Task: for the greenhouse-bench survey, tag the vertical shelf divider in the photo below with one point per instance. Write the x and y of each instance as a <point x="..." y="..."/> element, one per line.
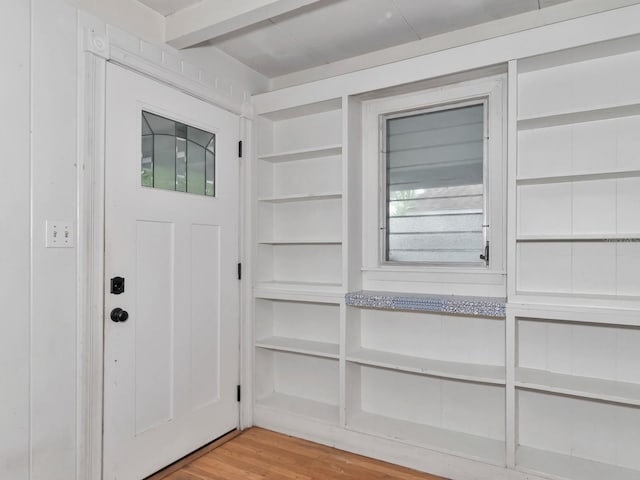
<point x="510" y="333"/>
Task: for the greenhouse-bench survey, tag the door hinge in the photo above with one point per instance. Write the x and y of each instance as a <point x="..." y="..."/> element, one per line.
<point x="240" y="149"/>
<point x="485" y="255"/>
<point x="238" y="392"/>
<point x="239" y="271"/>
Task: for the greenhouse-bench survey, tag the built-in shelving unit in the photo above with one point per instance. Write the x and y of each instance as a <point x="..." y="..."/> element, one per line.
<point x="425" y="407"/>
<point x="541" y="384"/>
<point x="298" y="279"/>
<point x="459" y="417"/>
<point x="299" y="174"/>
<point x="578" y="395"/>
<point x="578" y="179"/>
<point x="574" y="408"/>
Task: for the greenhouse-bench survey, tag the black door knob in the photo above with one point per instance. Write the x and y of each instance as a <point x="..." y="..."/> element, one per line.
<point x="119" y="315"/>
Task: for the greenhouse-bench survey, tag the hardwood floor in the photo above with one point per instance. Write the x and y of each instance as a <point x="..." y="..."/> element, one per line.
<point x="259" y="454"/>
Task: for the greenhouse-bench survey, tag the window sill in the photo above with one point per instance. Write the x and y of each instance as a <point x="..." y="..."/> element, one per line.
<point x="452" y="304"/>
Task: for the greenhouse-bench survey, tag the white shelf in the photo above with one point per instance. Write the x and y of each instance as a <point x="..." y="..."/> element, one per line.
<point x="574" y="314"/>
<point x="602" y="237"/>
<point x="309" y="287"/>
<point x="301" y="197"/>
<point x="302" y="242"/>
<point x="618" y="302"/>
<point x="303" y="407"/>
<point x="578" y="177"/>
<point x="565" y="466"/>
<point x="280" y="112"/>
<point x="585" y="387"/>
<point x="582" y="116"/>
<point x="306" y="154"/>
<point x="439" y="439"/>
<point x="329" y="298"/>
<point x="296" y="345"/>
<point x="470" y="372"/>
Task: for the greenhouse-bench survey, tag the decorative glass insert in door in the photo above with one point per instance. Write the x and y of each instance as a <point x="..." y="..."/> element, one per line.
<point x="176" y="156"/>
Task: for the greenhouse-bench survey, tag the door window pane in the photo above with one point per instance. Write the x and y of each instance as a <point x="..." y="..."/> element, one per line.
<point x="164" y="162"/>
<point x="176" y="156"/>
<point x="435" y="186"/>
<point x="195" y="168"/>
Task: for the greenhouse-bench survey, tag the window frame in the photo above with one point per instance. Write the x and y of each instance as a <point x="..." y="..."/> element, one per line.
<point x="383" y="158"/>
<point x="446" y="277"/>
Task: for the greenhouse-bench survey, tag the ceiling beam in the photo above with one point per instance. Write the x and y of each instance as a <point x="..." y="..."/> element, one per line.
<point x="213" y="18"/>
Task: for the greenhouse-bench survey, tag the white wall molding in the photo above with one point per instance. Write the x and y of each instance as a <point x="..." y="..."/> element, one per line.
<point x="164" y="64"/>
<point x="90" y="286"/>
<point x="96" y="44"/>
<point x="247" y="135"/>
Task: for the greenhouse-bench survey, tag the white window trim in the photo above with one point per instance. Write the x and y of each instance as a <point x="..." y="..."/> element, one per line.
<point x="432" y="278"/>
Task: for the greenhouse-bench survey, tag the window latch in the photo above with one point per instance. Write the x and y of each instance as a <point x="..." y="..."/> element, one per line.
<point x="485" y="256"/>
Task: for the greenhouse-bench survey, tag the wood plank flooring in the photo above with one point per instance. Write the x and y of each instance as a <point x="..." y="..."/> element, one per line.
<point x="259" y="454"/>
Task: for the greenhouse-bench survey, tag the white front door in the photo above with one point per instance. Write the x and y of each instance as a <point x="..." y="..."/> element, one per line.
<point x="172" y="215"/>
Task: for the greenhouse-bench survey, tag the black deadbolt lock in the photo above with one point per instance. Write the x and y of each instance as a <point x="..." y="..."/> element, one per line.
<point x="117" y="285"/>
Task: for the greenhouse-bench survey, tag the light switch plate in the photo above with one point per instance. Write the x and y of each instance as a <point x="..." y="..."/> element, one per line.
<point x="59" y="234"/>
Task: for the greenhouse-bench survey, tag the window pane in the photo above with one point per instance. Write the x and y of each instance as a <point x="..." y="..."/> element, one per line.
<point x="176" y="156"/>
<point x="435" y="186"/>
<point x="160" y="125"/>
<point x="210" y="173"/>
<point x="195" y="168"/>
<point x="198" y="136"/>
<point x="164" y="162"/>
<point x="147" y="160"/>
<point x="181" y="164"/>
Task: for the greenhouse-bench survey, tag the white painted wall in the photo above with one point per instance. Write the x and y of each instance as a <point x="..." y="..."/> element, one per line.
<point x="39" y="344"/>
<point x="14" y="251"/>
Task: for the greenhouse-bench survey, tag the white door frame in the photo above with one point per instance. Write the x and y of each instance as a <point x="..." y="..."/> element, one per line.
<point x="95" y="52"/>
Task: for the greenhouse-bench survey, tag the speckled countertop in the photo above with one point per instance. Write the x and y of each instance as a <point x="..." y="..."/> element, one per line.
<point x="454" y="304"/>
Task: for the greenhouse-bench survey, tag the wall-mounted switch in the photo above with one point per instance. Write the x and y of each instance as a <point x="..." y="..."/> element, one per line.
<point x="60" y="234"/>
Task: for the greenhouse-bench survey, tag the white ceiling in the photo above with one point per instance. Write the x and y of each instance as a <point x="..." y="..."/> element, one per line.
<point x="332" y="30"/>
<point x="168" y="7"/>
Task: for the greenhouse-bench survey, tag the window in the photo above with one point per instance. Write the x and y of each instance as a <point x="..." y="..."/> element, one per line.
<point x="176" y="156"/>
<point x="434" y="188"/>
<point x="434" y="167"/>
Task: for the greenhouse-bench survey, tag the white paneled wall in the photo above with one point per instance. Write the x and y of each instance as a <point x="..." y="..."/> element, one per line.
<point x="53" y="193"/>
<point x="41" y="422"/>
<point x="15" y="251"/>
